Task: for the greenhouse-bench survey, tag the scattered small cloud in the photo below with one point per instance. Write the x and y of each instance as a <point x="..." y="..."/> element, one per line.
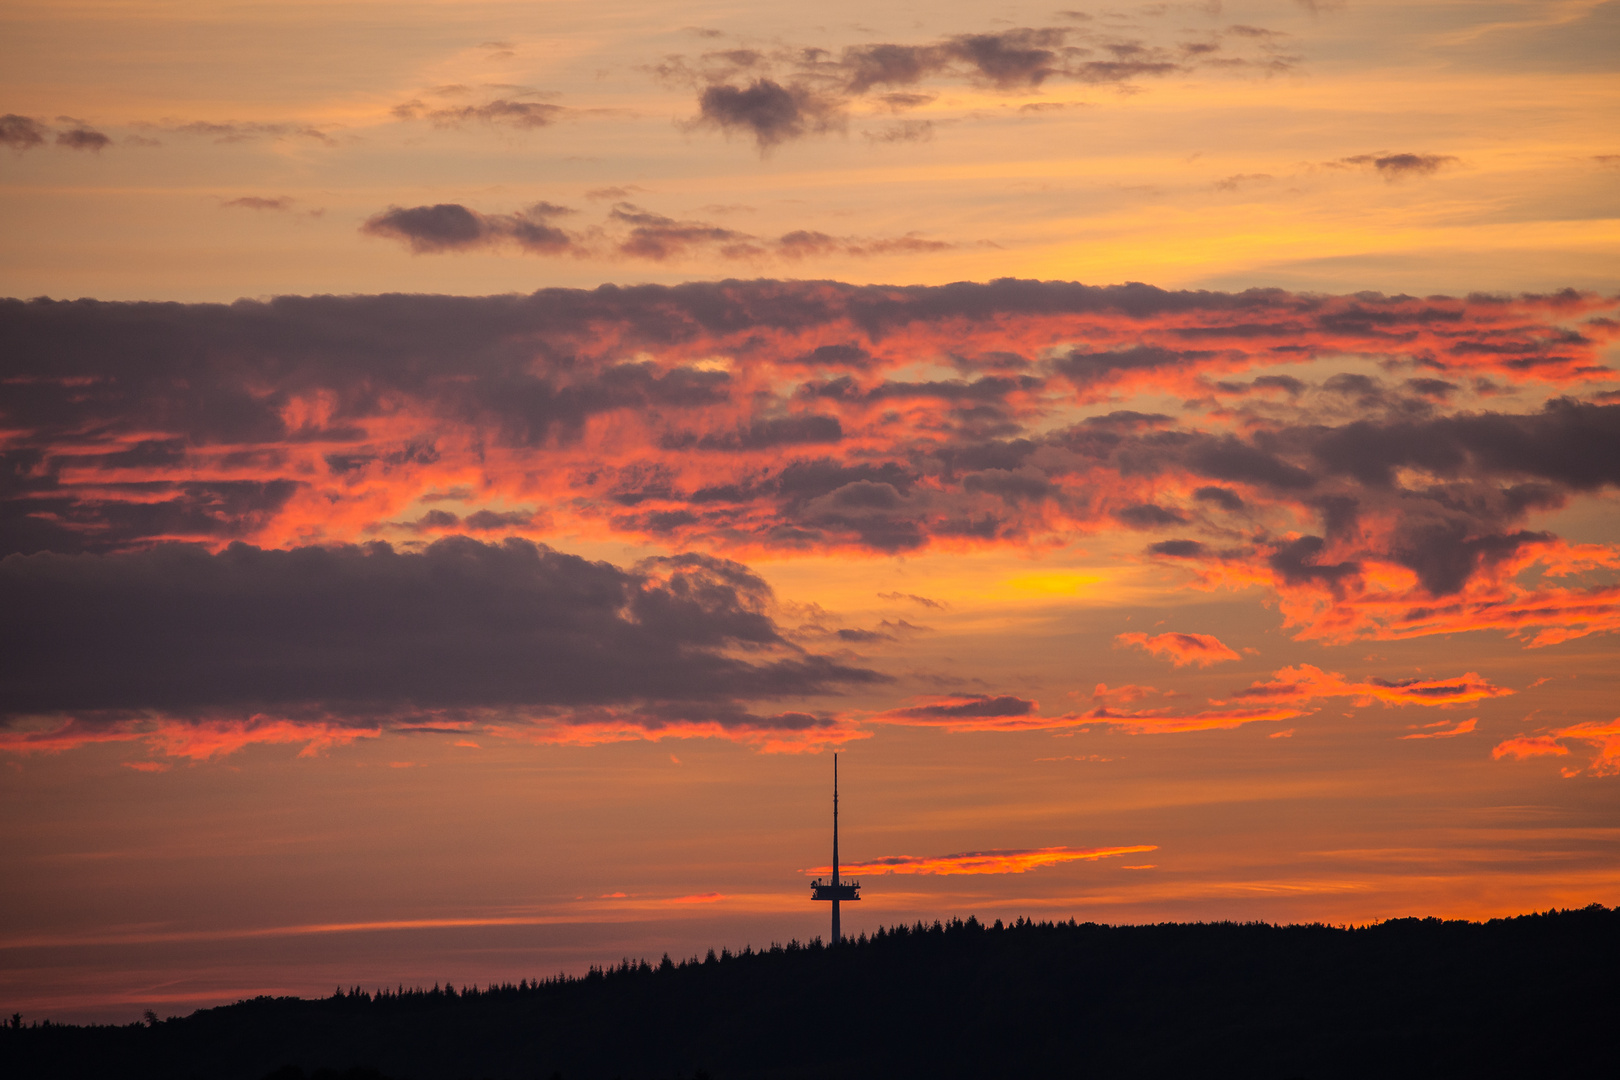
<point x="629" y="232"/>
<point x="905" y="131"/>
<point x="234" y="132"/>
<point x="83" y="138"/>
<point x="504" y="112"/>
<point x="260" y="202"/>
<point x="1182" y="649"/>
<point x="768" y="111"/>
<point x="774" y="96"/>
<point x="452" y="227"/>
<point x="1393" y="167"/>
<point x="1461" y="729"/>
<point x="1242" y="180"/>
<point x="21" y="132"/>
<point x="614" y="194"/>
<point x="925" y="601"/>
<point x="25" y="133"/>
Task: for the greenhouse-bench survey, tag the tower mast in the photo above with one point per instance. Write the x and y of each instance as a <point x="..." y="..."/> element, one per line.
<point x="837" y="936"/>
<point x="833" y="889"/>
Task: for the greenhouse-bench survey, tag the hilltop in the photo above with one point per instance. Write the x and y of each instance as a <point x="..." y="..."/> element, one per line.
<point x="1525" y="996"/>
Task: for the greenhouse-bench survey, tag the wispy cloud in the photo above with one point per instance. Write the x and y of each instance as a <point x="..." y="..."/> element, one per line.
<point x="993" y="861"/>
<point x="628" y="232"/>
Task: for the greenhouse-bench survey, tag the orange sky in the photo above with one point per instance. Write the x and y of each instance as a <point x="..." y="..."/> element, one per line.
<point x="545" y="430"/>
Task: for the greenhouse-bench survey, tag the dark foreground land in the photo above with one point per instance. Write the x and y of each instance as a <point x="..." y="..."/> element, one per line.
<point x="1534" y="996"/>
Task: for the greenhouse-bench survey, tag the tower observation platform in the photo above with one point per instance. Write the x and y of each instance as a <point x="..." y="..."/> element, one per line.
<point x="833" y="889"/>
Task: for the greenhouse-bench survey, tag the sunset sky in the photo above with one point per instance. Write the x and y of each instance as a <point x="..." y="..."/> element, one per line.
<point x="467" y="465"/>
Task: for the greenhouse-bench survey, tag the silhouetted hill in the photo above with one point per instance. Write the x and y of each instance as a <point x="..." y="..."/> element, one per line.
<point x="1525" y="997"/>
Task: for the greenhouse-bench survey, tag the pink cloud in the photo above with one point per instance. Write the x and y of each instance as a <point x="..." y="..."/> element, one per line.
<point x="1182" y="649"/>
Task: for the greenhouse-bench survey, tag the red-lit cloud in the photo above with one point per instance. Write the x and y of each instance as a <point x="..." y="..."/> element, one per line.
<point x="1603" y="736"/>
<point x="1289" y="694"/>
<point x="194" y="739"/>
<point x="995" y="861"/>
<point x="1009" y="713"/>
<point x="1182" y="649"/>
<point x="1463" y="728"/>
<point x="1174" y="721"/>
<point x="1305" y="683"/>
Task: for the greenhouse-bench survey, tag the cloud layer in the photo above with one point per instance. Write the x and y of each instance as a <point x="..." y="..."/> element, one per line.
<point x="1376" y="465"/>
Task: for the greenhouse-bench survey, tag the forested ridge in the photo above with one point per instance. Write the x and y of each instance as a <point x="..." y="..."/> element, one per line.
<point x="1534" y="995"/>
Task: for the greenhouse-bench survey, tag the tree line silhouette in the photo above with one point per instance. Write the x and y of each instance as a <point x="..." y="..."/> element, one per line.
<point x="1525" y="996"/>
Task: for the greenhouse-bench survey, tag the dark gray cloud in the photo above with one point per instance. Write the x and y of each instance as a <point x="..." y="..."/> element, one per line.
<point x="1479" y="475"/>
<point x="505" y="112"/>
<point x="1438" y="389"/>
<point x="1013" y="486"/>
<point x="1569" y="443"/>
<point x="234" y="132"/>
<point x="36" y="514"/>
<point x="656" y="237"/>
<point x="1084" y="367"/>
<point x="971" y="707"/>
<point x="903" y="131"/>
<point x="768" y="111"/>
<point x="630" y="232"/>
<point x="1398" y="166"/>
<point x="1149" y="516"/>
<point x="1225" y="498"/>
<point x="1178" y="549"/>
<point x="776" y="96"/>
<point x="614" y="194"/>
<point x="802" y="430"/>
<point x="1296" y="562"/>
<point x="261" y="202"/>
<point x="369" y="632"/>
<point x="22" y="132"/>
<point x="1012" y="59"/>
<point x="493" y="520"/>
<point x="452" y="227"/>
<point x="82" y="138"/>
<point x="25" y="133"/>
<point x="1229" y="458"/>
<point x="1286" y="383"/>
